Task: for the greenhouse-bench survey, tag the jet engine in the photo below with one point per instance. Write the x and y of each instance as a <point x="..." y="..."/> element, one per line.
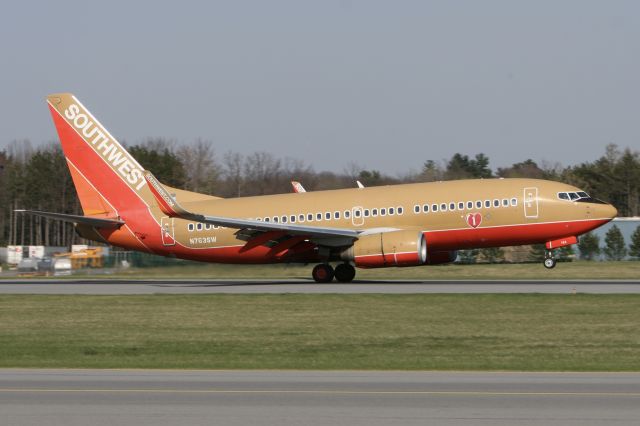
<point x="394" y="248"/>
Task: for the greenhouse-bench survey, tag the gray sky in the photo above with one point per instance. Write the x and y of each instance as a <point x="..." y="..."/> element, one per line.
<point x="387" y="85"/>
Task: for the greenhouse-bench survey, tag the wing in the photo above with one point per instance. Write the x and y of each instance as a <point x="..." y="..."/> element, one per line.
<point x="170" y="207"/>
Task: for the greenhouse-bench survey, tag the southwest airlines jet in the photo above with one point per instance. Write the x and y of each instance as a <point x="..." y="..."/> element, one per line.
<point x="401" y="225"/>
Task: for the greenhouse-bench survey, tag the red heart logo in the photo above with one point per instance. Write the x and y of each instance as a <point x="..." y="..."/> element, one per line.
<point x="474" y="219"/>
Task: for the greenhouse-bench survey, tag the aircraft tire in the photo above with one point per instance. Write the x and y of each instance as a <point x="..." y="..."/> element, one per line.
<point x="549" y="263"/>
<point x="323" y="273"/>
<point x="345" y="273"/>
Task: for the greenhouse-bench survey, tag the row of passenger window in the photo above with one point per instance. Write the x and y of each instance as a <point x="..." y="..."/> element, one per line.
<point x="336" y="215"/>
<point x="460" y="205"/>
<point x="201" y="226"/>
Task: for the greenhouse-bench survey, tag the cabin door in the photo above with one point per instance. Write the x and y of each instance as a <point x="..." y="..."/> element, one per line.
<point x="531" y="203"/>
<point x="168" y="232"/>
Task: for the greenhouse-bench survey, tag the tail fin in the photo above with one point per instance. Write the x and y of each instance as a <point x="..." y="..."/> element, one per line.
<point x="104" y="173"/>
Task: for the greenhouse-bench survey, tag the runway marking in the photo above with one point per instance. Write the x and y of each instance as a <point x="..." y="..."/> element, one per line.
<point x="322" y="392"/>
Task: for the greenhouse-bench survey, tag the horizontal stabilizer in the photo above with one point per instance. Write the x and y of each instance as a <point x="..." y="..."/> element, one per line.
<point x="96" y="222"/>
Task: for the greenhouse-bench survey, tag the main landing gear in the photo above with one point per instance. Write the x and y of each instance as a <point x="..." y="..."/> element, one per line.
<point x="549" y="260"/>
<point x="324" y="273"/>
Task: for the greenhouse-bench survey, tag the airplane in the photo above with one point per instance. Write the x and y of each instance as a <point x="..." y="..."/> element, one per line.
<point x="387" y="226"/>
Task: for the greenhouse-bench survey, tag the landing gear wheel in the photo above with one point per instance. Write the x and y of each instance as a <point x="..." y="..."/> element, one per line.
<point x="322" y="273"/>
<point x="549" y="263"/>
<point x="345" y="273"/>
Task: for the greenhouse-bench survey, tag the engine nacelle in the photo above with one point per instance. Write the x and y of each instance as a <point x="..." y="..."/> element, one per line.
<point x="439" y="257"/>
<point x="394" y="248"/>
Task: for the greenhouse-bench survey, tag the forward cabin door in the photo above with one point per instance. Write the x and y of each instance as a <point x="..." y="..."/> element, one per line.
<point x="531" y="203"/>
<point x="168" y="232"/>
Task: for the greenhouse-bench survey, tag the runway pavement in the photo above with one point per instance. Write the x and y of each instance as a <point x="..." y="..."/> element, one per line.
<point x="119" y="397"/>
<point x="27" y="286"/>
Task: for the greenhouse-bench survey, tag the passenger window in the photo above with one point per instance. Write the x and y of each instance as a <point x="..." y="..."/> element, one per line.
<point x="434" y="207"/>
<point x="336" y="215"/>
<point x="416" y="209"/>
<point x="452" y="206"/>
<point x="347" y="214"/>
<point x="191" y="227"/>
<point x="366" y="212"/>
<point x="514" y="202"/>
<point x="327" y="215"/>
<point x="496" y="203"/>
<point x="383" y="212"/>
<point x="275" y="219"/>
<point x="443" y="207"/>
<point x="469" y="205"/>
<point x="310" y="217"/>
<point x="400" y="210"/>
<point x="259" y="219"/>
<point x="487" y="203"/>
<point x="505" y="202"/>
<point x="460" y="205"/>
<point x="284" y="219"/>
<point x="266" y="219"/>
<point x="425" y="208"/>
<point x="292" y="218"/>
<point x="207" y="227"/>
<point x="199" y="226"/>
<point x="300" y="218"/>
<point x="374" y="212"/>
<point x="392" y="211"/>
<point x="357" y="213"/>
<point x="478" y="204"/>
<point x="318" y="216"/>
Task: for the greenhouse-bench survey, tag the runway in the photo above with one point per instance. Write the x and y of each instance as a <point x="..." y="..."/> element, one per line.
<point x="107" y="397"/>
<point x="113" y="287"/>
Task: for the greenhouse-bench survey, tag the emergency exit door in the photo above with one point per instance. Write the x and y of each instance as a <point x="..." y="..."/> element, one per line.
<point x="531" y="203"/>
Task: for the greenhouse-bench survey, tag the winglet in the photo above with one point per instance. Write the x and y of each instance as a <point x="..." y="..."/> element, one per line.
<point x="165" y="200"/>
<point x="297" y="186"/>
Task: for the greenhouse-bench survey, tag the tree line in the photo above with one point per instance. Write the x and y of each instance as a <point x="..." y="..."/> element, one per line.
<point x="37" y="178"/>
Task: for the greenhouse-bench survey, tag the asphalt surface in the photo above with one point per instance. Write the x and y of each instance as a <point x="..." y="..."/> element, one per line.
<point x="27" y="286"/>
<point x="133" y="397"/>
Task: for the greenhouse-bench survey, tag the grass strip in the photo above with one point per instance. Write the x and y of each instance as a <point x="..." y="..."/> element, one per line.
<point x="524" y="332"/>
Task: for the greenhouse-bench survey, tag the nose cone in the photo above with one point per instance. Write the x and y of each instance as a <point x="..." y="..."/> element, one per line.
<point x="607" y="210"/>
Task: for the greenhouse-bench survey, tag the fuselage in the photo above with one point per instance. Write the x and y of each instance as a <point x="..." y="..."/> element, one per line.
<point x="452" y="215"/>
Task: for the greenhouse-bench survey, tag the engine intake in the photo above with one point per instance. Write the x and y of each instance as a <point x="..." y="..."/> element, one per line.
<point x="394" y="248"/>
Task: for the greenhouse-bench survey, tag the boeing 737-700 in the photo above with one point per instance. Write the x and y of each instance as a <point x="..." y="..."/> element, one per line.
<point x="389" y="226"/>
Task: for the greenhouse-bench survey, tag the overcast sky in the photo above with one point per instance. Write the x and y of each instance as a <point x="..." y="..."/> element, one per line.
<point x="387" y="85"/>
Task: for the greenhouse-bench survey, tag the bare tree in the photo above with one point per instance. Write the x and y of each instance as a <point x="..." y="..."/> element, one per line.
<point x="201" y="167"/>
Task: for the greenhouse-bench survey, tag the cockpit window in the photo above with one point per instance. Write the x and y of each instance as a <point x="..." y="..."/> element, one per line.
<point x="579" y="197"/>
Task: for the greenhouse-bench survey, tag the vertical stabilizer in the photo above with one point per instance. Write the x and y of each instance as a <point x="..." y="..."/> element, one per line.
<point x="106" y="176"/>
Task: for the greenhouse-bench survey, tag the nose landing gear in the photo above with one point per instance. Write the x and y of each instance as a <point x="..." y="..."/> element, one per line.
<point x="549" y="260"/>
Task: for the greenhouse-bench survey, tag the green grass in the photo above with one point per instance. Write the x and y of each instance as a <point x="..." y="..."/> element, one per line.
<point x="437" y="332"/>
<point x="568" y="270"/>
